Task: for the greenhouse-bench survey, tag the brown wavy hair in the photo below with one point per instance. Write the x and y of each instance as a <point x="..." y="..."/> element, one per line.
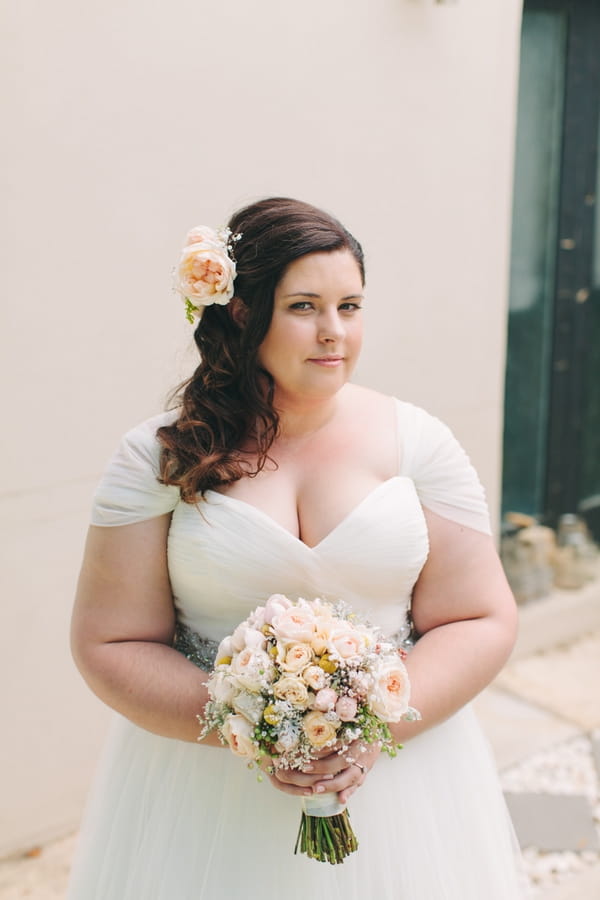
<point x="229" y="398"/>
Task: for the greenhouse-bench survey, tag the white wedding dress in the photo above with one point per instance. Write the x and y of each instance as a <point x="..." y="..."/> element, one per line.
<point x="170" y="820"/>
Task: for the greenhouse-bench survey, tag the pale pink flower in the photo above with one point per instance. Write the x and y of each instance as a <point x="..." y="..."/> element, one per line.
<point x="346" y="708"/>
<point x="325" y="699"/>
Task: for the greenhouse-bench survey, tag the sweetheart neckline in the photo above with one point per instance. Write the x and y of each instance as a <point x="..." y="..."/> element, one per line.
<point x="297" y="540"/>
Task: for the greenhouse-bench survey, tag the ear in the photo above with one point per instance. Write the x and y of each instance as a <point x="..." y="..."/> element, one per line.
<point x="238" y="311"/>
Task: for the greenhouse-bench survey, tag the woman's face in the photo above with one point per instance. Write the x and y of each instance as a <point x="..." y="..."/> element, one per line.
<point x="315" y="335"/>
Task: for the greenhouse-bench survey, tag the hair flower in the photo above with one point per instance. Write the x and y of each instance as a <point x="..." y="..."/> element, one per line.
<point x="206" y="269"/>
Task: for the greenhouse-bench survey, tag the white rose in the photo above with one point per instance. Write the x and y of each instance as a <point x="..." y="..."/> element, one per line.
<point x="276" y="604"/>
<point x="238" y="638"/>
<point x="252" y="668"/>
<point x="237" y="731"/>
<point x="287" y="742"/>
<point x="250" y="706"/>
<point x="389" y="693"/>
<point x="225" y="650"/>
<point x="221" y="687"/>
<point x="255" y="639"/>
<point x="256" y="619"/>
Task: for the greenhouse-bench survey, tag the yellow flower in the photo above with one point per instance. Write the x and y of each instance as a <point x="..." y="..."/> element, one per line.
<point x="328" y="665"/>
<point x="270" y="715"/>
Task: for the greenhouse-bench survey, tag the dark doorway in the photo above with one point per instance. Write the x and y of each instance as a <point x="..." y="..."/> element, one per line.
<point x="552" y="399"/>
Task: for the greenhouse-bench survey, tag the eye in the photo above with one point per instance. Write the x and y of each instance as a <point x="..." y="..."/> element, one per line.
<point x="301" y="305"/>
<point x="350" y="306"/>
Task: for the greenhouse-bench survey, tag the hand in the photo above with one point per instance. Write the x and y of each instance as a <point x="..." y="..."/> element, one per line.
<point x="331" y="772"/>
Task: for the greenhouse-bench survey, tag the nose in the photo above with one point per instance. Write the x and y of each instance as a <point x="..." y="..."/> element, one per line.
<point x="331" y="327"/>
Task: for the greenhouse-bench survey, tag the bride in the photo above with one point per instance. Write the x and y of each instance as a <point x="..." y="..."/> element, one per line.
<point x="275" y="473"/>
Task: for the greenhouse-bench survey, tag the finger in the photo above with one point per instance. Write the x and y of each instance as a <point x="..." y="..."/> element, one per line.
<point x="345" y="795"/>
<point x="350" y="777"/>
<point x="299" y="778"/>
<point x="327" y="765"/>
<point x="294" y="790"/>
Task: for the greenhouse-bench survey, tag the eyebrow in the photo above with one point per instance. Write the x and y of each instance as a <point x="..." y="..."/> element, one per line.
<point x="317" y="296"/>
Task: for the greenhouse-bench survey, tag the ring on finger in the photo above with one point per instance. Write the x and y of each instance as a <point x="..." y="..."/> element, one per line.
<point x="362" y="768"/>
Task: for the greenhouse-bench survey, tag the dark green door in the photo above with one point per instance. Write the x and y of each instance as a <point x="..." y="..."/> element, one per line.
<point x="552" y="399"/>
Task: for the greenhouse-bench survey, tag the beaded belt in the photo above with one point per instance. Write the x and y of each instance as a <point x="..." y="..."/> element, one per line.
<point x="203" y="652"/>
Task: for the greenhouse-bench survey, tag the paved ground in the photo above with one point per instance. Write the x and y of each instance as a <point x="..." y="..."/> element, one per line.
<point x="542" y="715"/>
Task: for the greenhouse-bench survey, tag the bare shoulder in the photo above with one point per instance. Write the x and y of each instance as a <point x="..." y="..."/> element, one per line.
<point x="369" y="425"/>
<point x="365" y="401"/>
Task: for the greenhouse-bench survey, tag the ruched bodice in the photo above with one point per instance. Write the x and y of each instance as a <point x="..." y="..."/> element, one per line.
<point x="228" y="556"/>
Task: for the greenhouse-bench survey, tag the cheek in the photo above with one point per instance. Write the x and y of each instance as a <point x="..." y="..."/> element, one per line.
<point x="355" y="337"/>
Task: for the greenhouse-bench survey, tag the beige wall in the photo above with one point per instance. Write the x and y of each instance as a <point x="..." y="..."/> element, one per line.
<point x="128" y="123"/>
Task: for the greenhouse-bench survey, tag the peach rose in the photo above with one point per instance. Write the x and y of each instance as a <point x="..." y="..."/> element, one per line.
<point x="318" y="729"/>
<point x="390" y="690"/>
<point x="205" y="273"/>
<point x="296" y="658"/>
<point x="294" y="625"/>
<point x="315" y="677"/>
<point x="293" y="690"/>
<point x="345" y="641"/>
<point x="237" y="731"/>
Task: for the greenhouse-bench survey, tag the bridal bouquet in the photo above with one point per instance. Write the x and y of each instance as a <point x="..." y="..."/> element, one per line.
<point x="297" y="678"/>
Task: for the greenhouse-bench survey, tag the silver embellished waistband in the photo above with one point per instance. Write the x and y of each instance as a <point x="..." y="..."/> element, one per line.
<point x="199" y="650"/>
<point x="203" y="652"/>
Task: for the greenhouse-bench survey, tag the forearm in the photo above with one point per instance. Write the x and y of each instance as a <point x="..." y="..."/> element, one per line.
<point x="149" y="683"/>
<point x="451" y="664"/>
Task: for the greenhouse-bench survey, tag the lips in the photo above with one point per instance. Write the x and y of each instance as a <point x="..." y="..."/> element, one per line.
<point x="327" y="360"/>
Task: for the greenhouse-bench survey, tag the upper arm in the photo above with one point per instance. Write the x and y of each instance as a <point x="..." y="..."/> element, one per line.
<point x="124" y="592"/>
<point x="462" y="578"/>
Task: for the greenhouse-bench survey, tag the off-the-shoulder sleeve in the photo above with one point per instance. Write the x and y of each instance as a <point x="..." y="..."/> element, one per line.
<point x="129" y="490"/>
<point x="444" y="477"/>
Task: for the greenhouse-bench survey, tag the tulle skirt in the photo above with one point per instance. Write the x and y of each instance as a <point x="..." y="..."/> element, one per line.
<point x="169" y="820"/>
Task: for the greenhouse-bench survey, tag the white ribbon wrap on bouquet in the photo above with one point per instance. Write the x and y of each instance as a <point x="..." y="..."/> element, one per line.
<point x="322" y="805"/>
